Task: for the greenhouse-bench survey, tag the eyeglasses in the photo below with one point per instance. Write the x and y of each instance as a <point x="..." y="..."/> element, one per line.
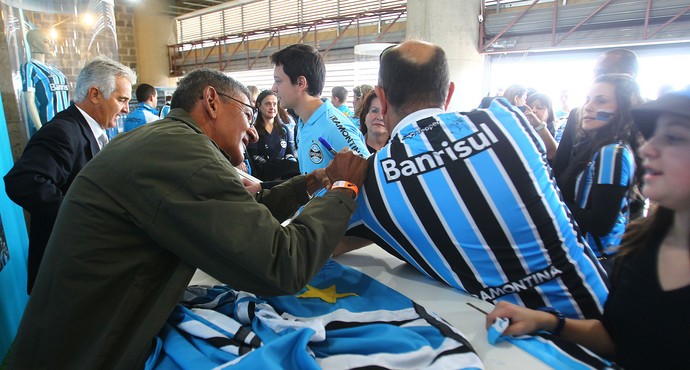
<point x="254" y="109"/>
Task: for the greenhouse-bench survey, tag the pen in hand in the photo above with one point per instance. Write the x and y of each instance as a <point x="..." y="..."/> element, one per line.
<point x="327" y="146"/>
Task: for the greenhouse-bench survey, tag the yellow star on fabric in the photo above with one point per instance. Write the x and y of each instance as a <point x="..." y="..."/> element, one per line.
<point x="328" y="295"/>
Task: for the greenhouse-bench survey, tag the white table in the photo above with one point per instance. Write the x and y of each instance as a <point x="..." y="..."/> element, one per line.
<point x="447" y="302"/>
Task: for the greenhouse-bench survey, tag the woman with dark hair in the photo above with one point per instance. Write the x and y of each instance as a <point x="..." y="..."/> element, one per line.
<point x="543" y="108"/>
<point x="273" y="156"/>
<point x="539" y="113"/>
<point x="647" y="314"/>
<point x="598" y="181"/>
<point x="371" y="123"/>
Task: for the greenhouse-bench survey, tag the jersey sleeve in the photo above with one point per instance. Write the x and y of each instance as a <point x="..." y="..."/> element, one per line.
<point x="615" y="165"/>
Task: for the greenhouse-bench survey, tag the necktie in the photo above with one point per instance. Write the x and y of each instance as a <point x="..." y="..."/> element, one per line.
<point x="102" y="140"/>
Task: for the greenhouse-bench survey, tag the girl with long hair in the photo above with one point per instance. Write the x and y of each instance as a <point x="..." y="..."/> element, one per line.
<point x="647" y="314"/>
<point x="599" y="179"/>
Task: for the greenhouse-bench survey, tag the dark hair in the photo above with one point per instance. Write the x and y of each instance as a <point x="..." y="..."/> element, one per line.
<point x="260" y="124"/>
<point x="366" y="105"/>
<point x="339" y="92"/>
<point x="639" y="233"/>
<point x="191" y="87"/>
<point x="619" y="128"/>
<point x="410" y="85"/>
<point x="546" y="101"/>
<point x="144" y="91"/>
<point x="512" y="91"/>
<point x="302" y="60"/>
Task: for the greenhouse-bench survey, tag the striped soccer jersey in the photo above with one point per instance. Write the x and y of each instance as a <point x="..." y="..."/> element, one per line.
<point x="343" y="319"/>
<point x="467" y="199"/>
<point x="50" y="87"/>
<point x="614" y="164"/>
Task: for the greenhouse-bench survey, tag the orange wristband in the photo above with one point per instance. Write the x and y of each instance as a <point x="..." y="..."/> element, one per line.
<point x="346" y="185"/>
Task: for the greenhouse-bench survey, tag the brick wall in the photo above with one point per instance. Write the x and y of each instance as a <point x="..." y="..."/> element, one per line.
<point x="124" y="19"/>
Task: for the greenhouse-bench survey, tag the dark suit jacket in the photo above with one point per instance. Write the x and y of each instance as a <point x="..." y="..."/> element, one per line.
<point x="39" y="180"/>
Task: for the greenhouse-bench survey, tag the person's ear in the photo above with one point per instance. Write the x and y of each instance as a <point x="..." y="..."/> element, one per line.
<point x="383" y="99"/>
<point x="211" y="101"/>
<point x="302" y="83"/>
<point x="92" y="94"/>
<point x="451" y="90"/>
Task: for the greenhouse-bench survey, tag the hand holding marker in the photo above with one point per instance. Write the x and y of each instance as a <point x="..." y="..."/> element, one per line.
<point x="327" y="146"/>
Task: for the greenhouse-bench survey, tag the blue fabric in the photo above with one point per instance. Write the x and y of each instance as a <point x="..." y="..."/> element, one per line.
<point x="347" y="112"/>
<point x="50" y="87"/>
<point x="13" y="295"/>
<point x="164" y="111"/>
<point x="468" y="199"/>
<point x="329" y="123"/>
<point x="342" y="317"/>
<point x="140" y="116"/>
<point x="613" y="164"/>
<point x="552" y="350"/>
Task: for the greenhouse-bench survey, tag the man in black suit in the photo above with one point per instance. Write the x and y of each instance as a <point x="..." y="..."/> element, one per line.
<point x="61" y="148"/>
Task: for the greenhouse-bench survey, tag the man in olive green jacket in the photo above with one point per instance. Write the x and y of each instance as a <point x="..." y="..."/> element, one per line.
<point x="156" y="204"/>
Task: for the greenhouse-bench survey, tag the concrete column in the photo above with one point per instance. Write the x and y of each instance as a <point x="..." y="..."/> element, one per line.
<point x="153" y="32"/>
<point x="454" y="25"/>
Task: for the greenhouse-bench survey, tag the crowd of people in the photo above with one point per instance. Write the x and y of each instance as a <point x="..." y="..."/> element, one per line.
<point x="488" y="202"/>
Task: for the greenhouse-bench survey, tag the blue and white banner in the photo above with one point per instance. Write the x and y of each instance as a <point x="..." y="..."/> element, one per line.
<point x="343" y="319"/>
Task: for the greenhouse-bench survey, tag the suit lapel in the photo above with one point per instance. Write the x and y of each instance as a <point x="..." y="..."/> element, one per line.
<point x="85" y="129"/>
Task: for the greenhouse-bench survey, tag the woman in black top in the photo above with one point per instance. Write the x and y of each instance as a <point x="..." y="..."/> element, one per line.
<point x="646" y="318"/>
<point x="273" y="156"/>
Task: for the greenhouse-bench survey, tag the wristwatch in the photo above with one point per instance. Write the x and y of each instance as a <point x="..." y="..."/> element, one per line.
<point x="539" y="127"/>
<point x="559" y="315"/>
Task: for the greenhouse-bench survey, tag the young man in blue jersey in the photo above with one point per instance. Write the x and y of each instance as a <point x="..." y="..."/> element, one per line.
<point x="299" y="76"/>
<point x="338" y="99"/>
<point x="146" y="111"/>
<point x="57" y="152"/>
<point x="467" y="198"/>
<point x="165" y="109"/>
